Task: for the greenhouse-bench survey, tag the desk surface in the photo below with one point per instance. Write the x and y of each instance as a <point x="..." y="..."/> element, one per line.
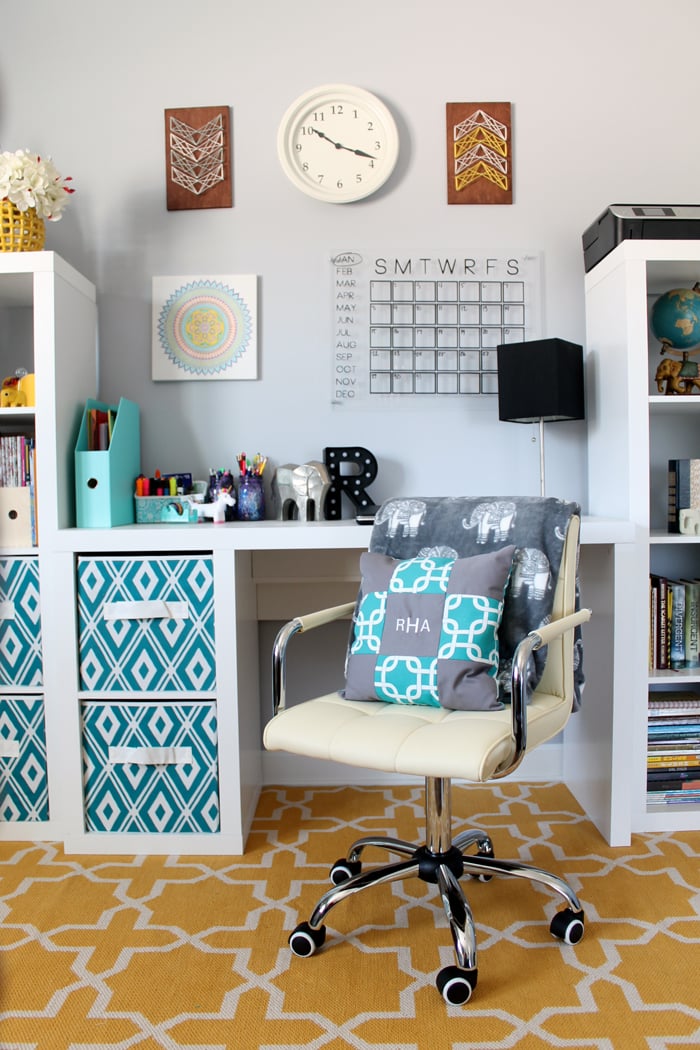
<point x="270" y="535"/>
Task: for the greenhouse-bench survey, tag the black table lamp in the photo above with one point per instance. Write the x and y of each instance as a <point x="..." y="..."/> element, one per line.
<point x="540" y="381"/>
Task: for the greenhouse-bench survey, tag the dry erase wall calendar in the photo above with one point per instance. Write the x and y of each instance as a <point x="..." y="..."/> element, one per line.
<point x="427" y="326"/>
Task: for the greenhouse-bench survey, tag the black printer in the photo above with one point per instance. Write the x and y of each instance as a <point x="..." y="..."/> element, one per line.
<point x="641" y="222"/>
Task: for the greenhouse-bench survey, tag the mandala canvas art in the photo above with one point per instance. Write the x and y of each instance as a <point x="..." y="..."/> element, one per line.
<point x="205" y="327"/>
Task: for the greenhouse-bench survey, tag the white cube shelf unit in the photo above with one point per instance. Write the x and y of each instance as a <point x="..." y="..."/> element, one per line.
<point x="633" y="432"/>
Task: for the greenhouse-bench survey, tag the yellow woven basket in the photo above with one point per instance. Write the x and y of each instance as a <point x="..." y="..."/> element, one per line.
<point x="20" y="231"/>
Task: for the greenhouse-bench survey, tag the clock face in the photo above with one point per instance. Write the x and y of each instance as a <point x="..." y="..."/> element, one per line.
<point x="338" y="143"/>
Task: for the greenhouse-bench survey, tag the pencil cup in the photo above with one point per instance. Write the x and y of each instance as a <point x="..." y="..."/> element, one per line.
<point x="251" y="499"/>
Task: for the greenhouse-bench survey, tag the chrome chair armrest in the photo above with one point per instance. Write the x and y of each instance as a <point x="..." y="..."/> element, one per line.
<point x="298" y="625"/>
<point x="518" y="710"/>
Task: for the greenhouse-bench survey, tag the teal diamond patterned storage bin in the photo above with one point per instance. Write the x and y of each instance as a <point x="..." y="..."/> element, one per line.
<point x="20" y="622"/>
<point x="150" y="767"/>
<point x="146" y="624"/>
<point x="24" y="791"/>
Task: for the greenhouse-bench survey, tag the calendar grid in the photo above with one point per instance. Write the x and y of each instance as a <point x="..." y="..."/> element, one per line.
<point x="421" y="333"/>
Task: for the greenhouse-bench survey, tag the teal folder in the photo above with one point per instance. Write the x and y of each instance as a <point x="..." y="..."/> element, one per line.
<point x="105" y="479"/>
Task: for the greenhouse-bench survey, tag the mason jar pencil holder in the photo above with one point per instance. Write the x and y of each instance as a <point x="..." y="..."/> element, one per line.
<point x="251" y="498"/>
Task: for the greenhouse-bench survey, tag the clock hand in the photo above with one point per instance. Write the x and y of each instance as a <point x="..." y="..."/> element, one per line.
<point x="339" y="145"/>
<point x="322" y="135"/>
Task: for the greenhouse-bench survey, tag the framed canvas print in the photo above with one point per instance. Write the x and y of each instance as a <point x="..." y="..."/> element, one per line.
<point x="205" y="327"/>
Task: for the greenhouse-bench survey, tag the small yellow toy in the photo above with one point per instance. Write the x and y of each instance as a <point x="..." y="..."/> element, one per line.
<point x="10" y="394"/>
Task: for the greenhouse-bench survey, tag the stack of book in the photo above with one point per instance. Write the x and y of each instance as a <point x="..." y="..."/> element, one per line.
<point x="673" y="751"/>
<point x="674" y="618"/>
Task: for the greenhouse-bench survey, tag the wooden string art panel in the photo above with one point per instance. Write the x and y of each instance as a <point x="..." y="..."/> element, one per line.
<point x="479" y="153"/>
<point x="198" y="158"/>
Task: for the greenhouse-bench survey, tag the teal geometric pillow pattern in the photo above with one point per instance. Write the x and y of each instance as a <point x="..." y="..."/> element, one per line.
<point x="426" y="630"/>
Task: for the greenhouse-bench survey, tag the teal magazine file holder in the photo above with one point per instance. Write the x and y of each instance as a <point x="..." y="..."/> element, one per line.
<point x="104" y="478"/>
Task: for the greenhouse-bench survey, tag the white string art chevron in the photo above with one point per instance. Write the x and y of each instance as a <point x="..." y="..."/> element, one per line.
<point x="197" y="155"/>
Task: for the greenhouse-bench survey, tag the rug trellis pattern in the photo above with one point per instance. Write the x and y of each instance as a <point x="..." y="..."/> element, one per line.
<point x="190" y="952"/>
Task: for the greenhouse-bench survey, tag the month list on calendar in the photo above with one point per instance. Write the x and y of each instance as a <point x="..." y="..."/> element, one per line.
<point x="427" y="326"/>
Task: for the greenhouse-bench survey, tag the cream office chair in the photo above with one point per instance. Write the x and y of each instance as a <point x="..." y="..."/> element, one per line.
<point x="540" y="671"/>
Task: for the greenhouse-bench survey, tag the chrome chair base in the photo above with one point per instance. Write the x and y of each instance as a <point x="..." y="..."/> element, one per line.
<point x="443" y="862"/>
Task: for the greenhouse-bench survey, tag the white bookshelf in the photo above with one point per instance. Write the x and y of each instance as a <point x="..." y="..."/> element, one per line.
<point x="633" y="432"/>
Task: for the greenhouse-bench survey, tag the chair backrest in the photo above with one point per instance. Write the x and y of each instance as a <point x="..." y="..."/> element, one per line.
<point x="564" y="658"/>
<point x="463" y="526"/>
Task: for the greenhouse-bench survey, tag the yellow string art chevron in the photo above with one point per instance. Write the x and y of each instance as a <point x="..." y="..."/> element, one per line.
<point x="481" y="171"/>
<point x="477" y="136"/>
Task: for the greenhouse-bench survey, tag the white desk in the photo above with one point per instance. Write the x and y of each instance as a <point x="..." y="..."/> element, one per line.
<point x="272" y="570"/>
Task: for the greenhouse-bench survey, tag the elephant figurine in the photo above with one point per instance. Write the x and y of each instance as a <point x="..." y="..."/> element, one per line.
<point x="491" y="520"/>
<point x="531" y="569"/>
<point x="300" y="491"/>
<point x="679" y="377"/>
<point x="404" y="514"/>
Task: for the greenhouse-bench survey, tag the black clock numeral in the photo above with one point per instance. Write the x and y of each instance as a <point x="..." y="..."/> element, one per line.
<point x="338" y="110"/>
<point x="370" y="125"/>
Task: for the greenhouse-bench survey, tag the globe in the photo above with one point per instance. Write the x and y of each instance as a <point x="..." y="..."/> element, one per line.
<point x="675" y="318"/>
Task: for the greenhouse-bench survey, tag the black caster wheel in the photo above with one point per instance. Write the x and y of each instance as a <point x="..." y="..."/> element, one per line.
<point x="567" y="926"/>
<point x="304" y="941"/>
<point x="343" y="870"/>
<point x="456" y="985"/>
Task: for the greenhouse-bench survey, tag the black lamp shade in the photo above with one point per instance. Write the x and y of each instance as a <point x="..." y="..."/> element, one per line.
<point x="540" y="379"/>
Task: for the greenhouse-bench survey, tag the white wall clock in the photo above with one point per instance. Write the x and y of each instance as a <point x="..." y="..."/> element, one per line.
<point x="338" y="143"/>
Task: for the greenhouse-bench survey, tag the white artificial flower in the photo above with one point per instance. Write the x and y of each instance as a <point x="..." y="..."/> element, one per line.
<point x="30" y="182"/>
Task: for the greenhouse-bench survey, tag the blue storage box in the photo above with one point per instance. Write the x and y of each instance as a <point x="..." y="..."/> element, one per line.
<point x="150" y="766"/>
<point x="20" y="622"/>
<point x="146" y="623"/>
<point x="24" y="787"/>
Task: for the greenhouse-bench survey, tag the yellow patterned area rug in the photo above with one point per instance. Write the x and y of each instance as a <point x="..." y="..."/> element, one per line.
<point x="190" y="952"/>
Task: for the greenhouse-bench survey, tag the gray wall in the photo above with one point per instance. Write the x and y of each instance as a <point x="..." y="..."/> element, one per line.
<point x="604" y="110"/>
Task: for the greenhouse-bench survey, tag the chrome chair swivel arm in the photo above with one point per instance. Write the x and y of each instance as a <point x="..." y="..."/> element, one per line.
<point x="279" y="650"/>
<point x="518" y="708"/>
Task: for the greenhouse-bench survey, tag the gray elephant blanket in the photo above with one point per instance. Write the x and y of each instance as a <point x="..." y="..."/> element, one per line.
<point x="460" y="527"/>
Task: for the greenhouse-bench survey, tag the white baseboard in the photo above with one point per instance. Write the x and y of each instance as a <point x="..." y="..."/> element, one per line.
<point x="544" y="764"/>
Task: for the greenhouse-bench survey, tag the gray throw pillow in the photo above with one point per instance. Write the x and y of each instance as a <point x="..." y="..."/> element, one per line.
<point x="425" y="630"/>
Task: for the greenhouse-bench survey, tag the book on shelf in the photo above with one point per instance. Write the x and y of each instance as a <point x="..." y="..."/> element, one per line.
<point x="692" y="623"/>
<point x="659" y="614"/>
<point x="676" y="624"/>
<point x="683" y="489"/>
